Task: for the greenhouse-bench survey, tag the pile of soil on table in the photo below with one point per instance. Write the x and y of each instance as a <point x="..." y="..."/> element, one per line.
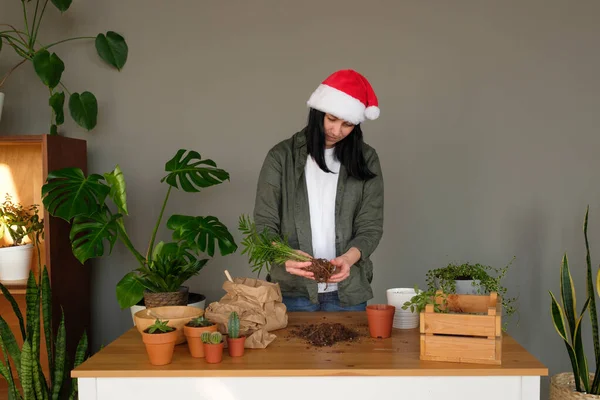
<point x="325" y="334"/>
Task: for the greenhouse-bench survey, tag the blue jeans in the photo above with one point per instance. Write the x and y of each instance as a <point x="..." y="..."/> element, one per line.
<point x="328" y="301"/>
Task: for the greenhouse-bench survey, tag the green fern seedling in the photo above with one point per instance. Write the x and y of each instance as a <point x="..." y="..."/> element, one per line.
<point x="234" y="325"/>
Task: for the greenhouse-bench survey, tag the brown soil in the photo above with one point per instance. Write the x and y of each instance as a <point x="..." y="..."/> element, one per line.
<point x="325" y="334"/>
<point x="322" y="269"/>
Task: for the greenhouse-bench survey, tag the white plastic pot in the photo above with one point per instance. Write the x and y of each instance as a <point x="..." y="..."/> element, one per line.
<point x="466" y="287"/>
<point x="15" y="262"/>
<point x="193" y="296"/>
<point x="1" y="104"/>
<point x="403" y="319"/>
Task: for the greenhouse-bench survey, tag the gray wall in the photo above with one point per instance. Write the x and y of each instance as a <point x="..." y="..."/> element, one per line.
<point x="487" y="137"/>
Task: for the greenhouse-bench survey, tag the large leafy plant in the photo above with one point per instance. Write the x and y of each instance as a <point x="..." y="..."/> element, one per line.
<point x="83" y="107"/>
<point x="83" y="201"/>
<point x="27" y="359"/>
<point x="570" y="331"/>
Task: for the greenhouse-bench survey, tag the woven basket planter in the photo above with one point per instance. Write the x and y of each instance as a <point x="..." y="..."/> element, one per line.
<point x="179" y="298"/>
<point x="562" y="387"/>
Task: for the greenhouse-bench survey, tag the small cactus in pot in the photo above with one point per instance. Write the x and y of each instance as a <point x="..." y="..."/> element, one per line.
<point x="193" y="331"/>
<point x="235" y="342"/>
<point x="213" y="346"/>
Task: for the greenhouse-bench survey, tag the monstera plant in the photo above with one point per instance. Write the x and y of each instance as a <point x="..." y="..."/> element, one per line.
<point x="95" y="228"/>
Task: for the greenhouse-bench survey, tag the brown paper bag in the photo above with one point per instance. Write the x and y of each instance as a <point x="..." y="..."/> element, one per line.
<point x="258" y="304"/>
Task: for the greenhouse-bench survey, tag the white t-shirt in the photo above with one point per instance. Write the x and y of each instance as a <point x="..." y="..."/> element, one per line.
<point x="322" y="188"/>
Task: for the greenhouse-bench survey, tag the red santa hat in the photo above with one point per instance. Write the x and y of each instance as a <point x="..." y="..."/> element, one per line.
<point x="346" y="94"/>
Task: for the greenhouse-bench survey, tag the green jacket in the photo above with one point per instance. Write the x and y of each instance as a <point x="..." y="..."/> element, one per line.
<point x="282" y="206"/>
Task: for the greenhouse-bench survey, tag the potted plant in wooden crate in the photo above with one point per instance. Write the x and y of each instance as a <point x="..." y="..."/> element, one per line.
<point x="193" y="331"/>
<point x="580" y="383"/>
<point x="461" y="328"/>
<point x="29" y="47"/>
<point x="164" y="267"/>
<point x="235" y="342"/>
<point x="18" y="222"/>
<point x="468" y="278"/>
<point x="160" y="339"/>
<point x="213" y="346"/>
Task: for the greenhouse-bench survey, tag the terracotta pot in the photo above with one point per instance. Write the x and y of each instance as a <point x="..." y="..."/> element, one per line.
<point x="160" y="346"/>
<point x="236" y="346"/>
<point x="213" y="352"/>
<point x="562" y="387"/>
<point x="381" y="318"/>
<point x="193" y="334"/>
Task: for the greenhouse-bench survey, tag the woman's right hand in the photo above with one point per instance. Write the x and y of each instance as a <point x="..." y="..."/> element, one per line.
<point x="298" y="267"/>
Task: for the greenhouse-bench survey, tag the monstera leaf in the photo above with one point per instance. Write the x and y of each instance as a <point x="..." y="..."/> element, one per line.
<point x="129" y="290"/>
<point x="116" y="180"/>
<point x="202" y="233"/>
<point x="89" y="233"/>
<point x="68" y="193"/>
<point x="190" y="173"/>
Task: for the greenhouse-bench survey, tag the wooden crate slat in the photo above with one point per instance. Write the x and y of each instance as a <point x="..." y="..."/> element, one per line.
<point x="460" y="324"/>
<point x="463" y="349"/>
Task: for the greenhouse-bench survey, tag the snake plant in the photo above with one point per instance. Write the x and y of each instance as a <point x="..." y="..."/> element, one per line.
<point x="570" y="332"/>
<point x="83" y="201"/>
<point x="27" y="359"/>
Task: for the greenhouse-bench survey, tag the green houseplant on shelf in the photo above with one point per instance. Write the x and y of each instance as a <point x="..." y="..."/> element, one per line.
<point x="27" y="44"/>
<point x="18" y="223"/>
<point x="468" y="278"/>
<point x="580" y="383"/>
<point x="165" y="266"/>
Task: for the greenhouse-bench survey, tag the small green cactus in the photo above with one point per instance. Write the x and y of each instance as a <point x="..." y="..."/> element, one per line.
<point x="216" y="337"/>
<point x="205" y="337"/>
<point x="234" y="325"/>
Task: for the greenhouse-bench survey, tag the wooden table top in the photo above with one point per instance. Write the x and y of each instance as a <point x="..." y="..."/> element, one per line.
<point x="291" y="356"/>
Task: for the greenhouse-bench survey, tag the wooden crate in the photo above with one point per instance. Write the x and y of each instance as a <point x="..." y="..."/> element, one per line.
<point x="470" y="332"/>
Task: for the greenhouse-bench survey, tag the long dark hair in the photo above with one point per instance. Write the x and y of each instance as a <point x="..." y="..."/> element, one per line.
<point x="349" y="150"/>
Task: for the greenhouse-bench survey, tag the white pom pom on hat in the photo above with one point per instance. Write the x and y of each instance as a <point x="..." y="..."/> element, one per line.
<point x="347" y="95"/>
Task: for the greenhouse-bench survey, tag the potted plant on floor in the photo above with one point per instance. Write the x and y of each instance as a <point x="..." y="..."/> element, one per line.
<point x="580" y="383"/>
<point x="213" y="346"/>
<point x="470" y="278"/>
<point x="235" y="342"/>
<point x="26" y="42"/>
<point x="193" y="331"/>
<point x="18" y="223"/>
<point x="159" y="339"/>
<point x="84" y="202"/>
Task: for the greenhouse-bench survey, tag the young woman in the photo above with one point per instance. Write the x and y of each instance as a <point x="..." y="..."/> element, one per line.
<point x="322" y="189"/>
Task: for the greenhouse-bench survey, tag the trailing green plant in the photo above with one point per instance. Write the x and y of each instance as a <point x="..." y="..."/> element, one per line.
<point x="164" y="267"/>
<point x="27" y="359"/>
<point x="233" y="325"/>
<point x="159" y="326"/>
<point x="571" y="331"/>
<point x="20" y="222"/>
<point x="418" y="302"/>
<point x="486" y="279"/>
<point x="25" y="41"/>
<point x="199" y="322"/>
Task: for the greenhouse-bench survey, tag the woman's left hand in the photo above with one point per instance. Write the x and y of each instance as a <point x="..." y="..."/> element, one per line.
<point x="343" y="264"/>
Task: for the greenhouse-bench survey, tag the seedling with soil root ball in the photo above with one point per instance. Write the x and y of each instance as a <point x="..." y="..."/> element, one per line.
<point x="267" y="248"/>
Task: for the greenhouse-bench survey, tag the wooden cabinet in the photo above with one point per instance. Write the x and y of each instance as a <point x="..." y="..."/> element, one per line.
<point x="24" y="165"/>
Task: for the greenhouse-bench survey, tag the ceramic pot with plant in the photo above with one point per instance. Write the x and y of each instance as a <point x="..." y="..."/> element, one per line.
<point x="235" y="342"/>
<point x="159" y="339"/>
<point x="580" y="383"/>
<point x="381" y="319"/>
<point x="16" y="224"/>
<point x="165" y="266"/>
<point x="213" y="346"/>
<point x="30" y="46"/>
<point x="193" y="331"/>
<point x="468" y="278"/>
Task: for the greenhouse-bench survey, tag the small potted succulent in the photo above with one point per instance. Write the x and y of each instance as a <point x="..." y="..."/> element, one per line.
<point x="213" y="346"/>
<point x="193" y="331"/>
<point x="235" y="342"/>
<point x="18" y="223"/>
<point x="159" y="339"/>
